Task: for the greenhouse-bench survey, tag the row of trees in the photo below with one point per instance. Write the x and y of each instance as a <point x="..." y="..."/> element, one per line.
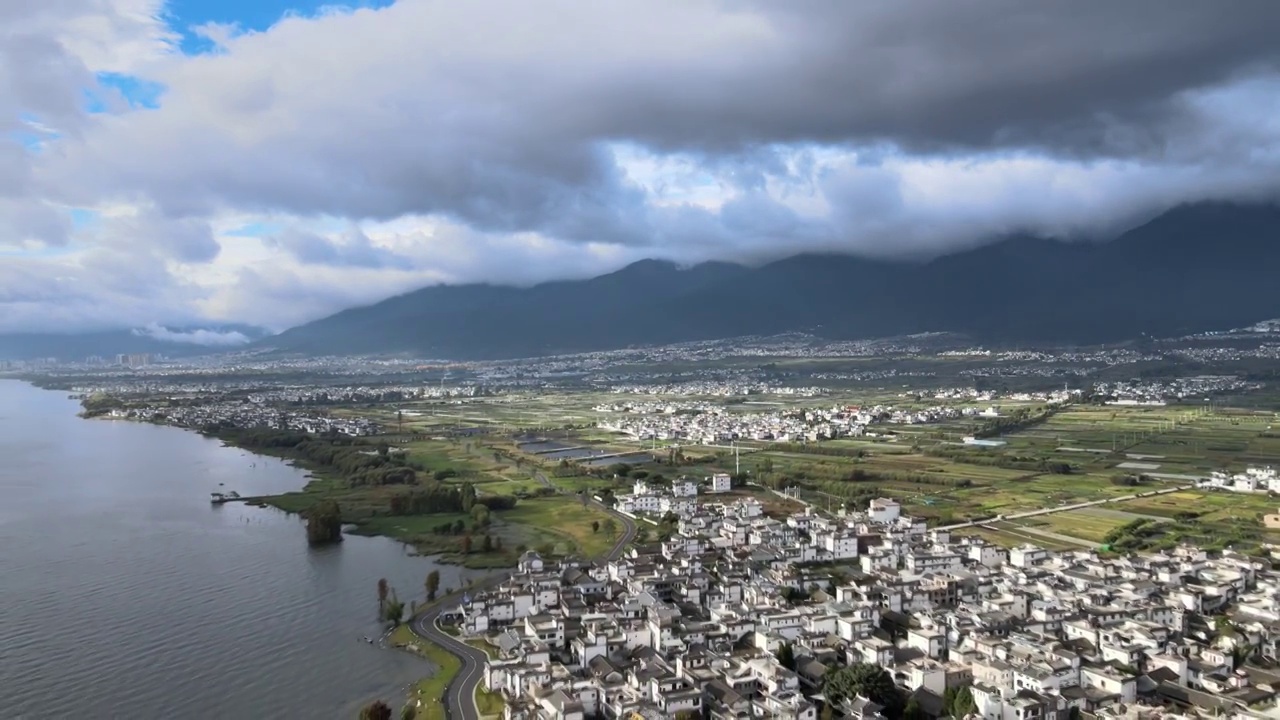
<point x="358" y="462"/>
<point x="436" y="498"/>
<point x="1029" y="463"/>
<point x="1019" y="419"/>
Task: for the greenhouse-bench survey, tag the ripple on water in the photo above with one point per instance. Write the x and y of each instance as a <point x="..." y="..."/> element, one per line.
<point x="125" y="592"/>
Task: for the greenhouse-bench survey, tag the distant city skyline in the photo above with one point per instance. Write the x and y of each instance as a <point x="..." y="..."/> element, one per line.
<point x="200" y="162"/>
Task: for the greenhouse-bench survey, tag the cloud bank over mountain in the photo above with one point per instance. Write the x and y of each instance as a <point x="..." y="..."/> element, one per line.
<point x="275" y="174"/>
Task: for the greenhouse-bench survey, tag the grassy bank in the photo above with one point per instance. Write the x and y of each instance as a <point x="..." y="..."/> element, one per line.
<point x="428" y="692"/>
<point x="425" y="494"/>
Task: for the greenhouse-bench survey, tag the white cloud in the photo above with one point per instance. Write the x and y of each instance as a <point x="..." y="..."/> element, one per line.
<point x="206" y="338"/>
<point x="375" y="151"/>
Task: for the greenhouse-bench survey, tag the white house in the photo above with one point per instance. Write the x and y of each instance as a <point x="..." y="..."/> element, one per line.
<point x="721" y="483"/>
<point x="684" y="489"/>
<point x="883" y="511"/>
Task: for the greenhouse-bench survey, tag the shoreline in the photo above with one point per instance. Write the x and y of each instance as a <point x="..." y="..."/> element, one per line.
<point x="314" y="476"/>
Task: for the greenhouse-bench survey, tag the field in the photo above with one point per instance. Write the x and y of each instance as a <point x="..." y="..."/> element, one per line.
<point x="563" y="523"/>
<point x="1070" y="455"/>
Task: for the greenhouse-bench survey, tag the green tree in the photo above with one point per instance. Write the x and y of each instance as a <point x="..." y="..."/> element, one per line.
<point x="610" y="527"/>
<point x="433" y="584"/>
<point x="408" y="712"/>
<point x="958" y="702"/>
<point x="383" y="589"/>
<point x="376" y="710"/>
<point x="787" y="656"/>
<point x="487" y="544"/>
<point x="324" y="523"/>
<point x="595" y="526"/>
<point x="870" y="681"/>
<point x="913" y="711"/>
<point x="393" y="612"/>
<point x="466" y="544"/>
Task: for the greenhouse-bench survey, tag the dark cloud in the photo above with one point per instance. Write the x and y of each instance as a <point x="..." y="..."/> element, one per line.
<point x="354" y="250"/>
<point x="688" y="129"/>
<point x="448" y="113"/>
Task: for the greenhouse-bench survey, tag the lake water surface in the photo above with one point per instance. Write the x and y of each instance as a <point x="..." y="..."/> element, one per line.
<point x="125" y="594"/>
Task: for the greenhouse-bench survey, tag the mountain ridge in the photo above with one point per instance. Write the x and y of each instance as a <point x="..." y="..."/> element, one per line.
<point x="1194" y="268"/>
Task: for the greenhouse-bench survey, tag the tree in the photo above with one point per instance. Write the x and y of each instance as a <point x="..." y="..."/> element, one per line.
<point x="383" y="589"/>
<point x="958" y="702"/>
<point x="408" y="712"/>
<point x="393" y="612"/>
<point x="610" y="527"/>
<point x="466" y="544"/>
<point x="827" y="713"/>
<point x="595" y="526"/>
<point x="787" y="656"/>
<point x="376" y="710"/>
<point x="870" y="681"/>
<point x="433" y="584"/>
<point x="913" y="711"/>
<point x="324" y="523"/>
<point x="487" y="544"/>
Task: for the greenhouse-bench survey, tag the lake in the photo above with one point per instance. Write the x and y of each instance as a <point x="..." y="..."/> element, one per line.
<point x="124" y="593"/>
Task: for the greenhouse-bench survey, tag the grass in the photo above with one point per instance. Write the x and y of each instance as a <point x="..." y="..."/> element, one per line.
<point x="561" y="521"/>
<point x="428" y="692"/>
<point x="485" y="646"/>
<point x="489" y="703"/>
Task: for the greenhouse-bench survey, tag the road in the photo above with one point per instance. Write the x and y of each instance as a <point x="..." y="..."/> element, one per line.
<point x="460" y="694"/>
<point x="1065" y="508"/>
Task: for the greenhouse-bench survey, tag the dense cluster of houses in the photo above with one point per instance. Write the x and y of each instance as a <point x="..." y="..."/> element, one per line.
<point x="1159" y="392"/>
<point x="677" y="497"/>
<point x="740" y="615"/>
<point x="710" y="424"/>
<point x="1252" y="480"/>
<point x="244" y="415"/>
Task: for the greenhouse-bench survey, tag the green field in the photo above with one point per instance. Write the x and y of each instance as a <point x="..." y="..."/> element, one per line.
<point x="563" y="523"/>
<point x="1075" y="454"/>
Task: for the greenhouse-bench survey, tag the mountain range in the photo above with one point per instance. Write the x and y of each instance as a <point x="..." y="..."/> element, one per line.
<point x="1199" y="267"/>
<point x="1195" y="268"/>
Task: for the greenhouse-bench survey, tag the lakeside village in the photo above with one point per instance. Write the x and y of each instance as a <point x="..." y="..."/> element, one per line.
<point x="873" y="615"/>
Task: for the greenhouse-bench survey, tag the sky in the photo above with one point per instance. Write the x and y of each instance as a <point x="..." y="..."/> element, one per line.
<point x="270" y="162"/>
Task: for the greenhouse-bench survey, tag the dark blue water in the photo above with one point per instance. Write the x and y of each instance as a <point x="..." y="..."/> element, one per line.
<point x="125" y="594"/>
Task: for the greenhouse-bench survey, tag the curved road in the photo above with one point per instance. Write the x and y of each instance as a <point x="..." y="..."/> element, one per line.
<point x="460" y="694"/>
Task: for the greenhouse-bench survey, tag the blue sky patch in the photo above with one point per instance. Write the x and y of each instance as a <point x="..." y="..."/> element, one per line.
<point x="137" y="92"/>
<point x="82" y="218"/>
<point x="253" y="230"/>
<point x="248" y="15"/>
